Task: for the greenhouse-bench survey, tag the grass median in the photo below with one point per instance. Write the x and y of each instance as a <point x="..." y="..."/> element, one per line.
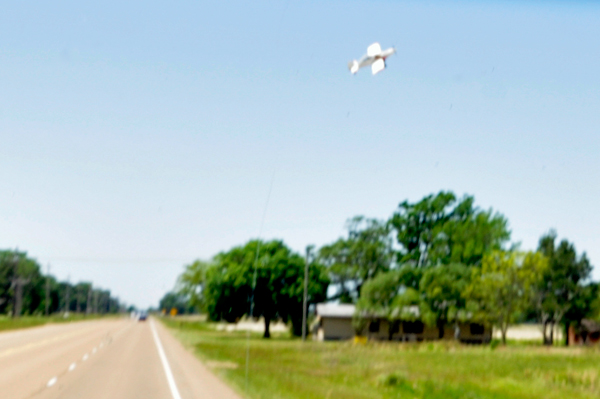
<point x="283" y="367"/>
<point x="8" y="323"/>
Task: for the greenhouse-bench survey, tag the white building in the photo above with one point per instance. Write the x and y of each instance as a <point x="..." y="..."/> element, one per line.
<point x="334" y="322"/>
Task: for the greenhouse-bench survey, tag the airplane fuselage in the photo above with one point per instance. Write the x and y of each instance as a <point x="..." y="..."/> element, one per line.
<point x="375" y="57"/>
<point x="367" y="60"/>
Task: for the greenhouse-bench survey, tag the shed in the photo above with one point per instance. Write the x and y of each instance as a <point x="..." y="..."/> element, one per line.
<point x="588" y="333"/>
<point x="334" y="321"/>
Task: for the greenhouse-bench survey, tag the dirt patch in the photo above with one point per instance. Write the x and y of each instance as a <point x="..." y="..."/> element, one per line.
<point x="222" y="365"/>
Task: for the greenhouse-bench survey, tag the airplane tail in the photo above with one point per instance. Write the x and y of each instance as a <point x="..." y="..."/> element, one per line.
<point x="353" y="66"/>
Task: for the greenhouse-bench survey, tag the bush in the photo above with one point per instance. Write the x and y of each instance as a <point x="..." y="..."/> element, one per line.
<point x="393" y="380"/>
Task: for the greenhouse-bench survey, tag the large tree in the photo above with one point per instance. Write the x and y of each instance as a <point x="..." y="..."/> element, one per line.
<point x="190" y="284"/>
<point x="364" y="253"/>
<point x="261" y="279"/>
<point x="20" y="283"/>
<point x="562" y="284"/>
<point x="441" y="229"/>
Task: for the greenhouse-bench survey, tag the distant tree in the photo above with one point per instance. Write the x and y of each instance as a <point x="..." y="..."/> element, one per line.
<point x="378" y="297"/>
<point x="174" y="300"/>
<point x="54" y="297"/>
<point x="504" y="286"/>
<point x="561" y="285"/>
<point x="386" y="296"/>
<point x="277" y="275"/>
<point x="366" y="252"/>
<point x="442" y="288"/>
<point x="22" y="283"/>
<point x="190" y="284"/>
<point x="20" y="279"/>
<point x="440" y="229"/>
<point x="80" y="293"/>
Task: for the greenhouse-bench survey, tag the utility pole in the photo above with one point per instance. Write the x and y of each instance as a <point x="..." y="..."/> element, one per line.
<point x="77" y="295"/>
<point x="67" y="289"/>
<point x="48" y="291"/>
<point x="17" y="282"/>
<point x="88" y="308"/>
<point x="305" y="297"/>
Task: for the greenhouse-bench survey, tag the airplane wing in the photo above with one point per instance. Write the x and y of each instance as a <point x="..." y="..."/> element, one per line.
<point x="374" y="49"/>
<point x="378" y="66"/>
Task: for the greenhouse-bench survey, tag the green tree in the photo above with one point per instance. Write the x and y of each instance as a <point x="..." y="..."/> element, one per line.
<point x="191" y="283"/>
<point x="174" y="300"/>
<point x="585" y="304"/>
<point x="418" y="224"/>
<point x="20" y="282"/>
<point x="81" y="293"/>
<point x="503" y="287"/>
<point x="442" y="288"/>
<point x="561" y="285"/>
<point x="351" y="261"/>
<point x="388" y="296"/>
<point x="23" y="286"/>
<point x="441" y="229"/>
<point x="277" y="275"/>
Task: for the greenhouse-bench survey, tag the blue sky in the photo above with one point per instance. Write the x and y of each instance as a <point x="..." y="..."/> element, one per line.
<point x="137" y="137"/>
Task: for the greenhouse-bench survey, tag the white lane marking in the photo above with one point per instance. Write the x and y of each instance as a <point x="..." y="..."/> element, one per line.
<point x="101" y="344"/>
<point x="72" y="366"/>
<point x="85" y="357"/>
<point x="51" y="382"/>
<point x="165" y="363"/>
<point x="94" y="350"/>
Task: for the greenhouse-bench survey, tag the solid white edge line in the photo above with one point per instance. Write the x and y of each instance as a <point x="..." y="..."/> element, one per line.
<point x="165" y="363"/>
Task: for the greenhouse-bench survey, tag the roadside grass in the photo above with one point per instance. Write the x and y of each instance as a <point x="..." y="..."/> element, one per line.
<point x="8" y="323"/>
<point x="283" y="367"/>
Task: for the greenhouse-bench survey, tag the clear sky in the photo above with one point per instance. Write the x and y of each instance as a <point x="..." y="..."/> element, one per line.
<point x="137" y="137"/>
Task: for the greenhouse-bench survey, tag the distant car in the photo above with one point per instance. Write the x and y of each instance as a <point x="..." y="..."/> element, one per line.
<point x="143" y="316"/>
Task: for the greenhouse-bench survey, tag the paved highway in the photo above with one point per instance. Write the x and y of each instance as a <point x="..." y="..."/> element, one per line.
<point x="116" y="359"/>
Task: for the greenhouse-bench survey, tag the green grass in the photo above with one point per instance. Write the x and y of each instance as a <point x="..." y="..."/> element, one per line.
<point x="8" y="323"/>
<point x="286" y="368"/>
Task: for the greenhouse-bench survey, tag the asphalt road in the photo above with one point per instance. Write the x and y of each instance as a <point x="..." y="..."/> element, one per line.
<point x="116" y="359"/>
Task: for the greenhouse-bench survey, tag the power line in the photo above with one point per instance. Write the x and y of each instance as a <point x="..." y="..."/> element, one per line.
<point x="262" y="222"/>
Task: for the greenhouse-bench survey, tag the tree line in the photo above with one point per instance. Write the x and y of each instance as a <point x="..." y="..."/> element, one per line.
<point x="442" y="254"/>
<point x="25" y="290"/>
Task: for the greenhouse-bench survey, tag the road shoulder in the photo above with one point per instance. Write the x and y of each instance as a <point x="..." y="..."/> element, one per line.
<point x="193" y="378"/>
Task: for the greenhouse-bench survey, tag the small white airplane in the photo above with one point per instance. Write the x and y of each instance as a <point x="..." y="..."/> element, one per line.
<point x="374" y="57"/>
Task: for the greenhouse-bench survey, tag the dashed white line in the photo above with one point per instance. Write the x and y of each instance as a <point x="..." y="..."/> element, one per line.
<point x="170" y="379"/>
<point x="165" y="363"/>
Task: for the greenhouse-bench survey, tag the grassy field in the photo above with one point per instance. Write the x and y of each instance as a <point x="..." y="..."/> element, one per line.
<point x="286" y="368"/>
<point x="8" y="323"/>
